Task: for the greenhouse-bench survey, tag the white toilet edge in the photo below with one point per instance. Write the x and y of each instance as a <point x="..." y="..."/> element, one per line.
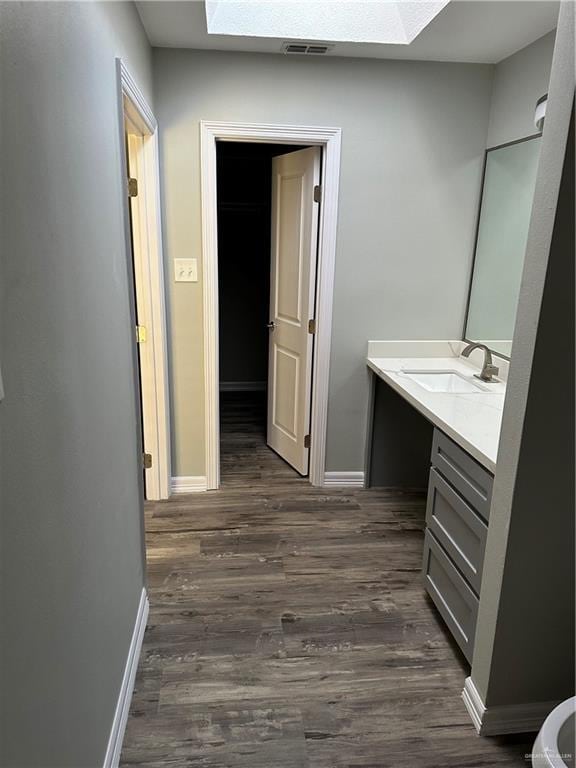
<point x="546" y="749"/>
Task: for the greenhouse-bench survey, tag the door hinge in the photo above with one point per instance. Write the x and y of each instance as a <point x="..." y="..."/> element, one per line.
<point x="132" y="187"/>
<point x="140" y="334"/>
<point x="317" y="193"/>
<point x="147" y="460"/>
<point x="312" y="326"/>
<point x="307" y="441"/>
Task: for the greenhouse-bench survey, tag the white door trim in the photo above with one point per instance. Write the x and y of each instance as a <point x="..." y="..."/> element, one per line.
<point x="329" y="139"/>
<point x="154" y="386"/>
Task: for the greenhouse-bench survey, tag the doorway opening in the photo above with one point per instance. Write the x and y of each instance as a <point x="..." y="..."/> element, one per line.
<point x="300" y="306"/>
<point x="250" y="180"/>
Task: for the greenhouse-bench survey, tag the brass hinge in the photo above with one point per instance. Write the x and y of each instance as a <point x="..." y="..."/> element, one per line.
<point x="312" y="326"/>
<point x="317" y="193"/>
<point x="140" y="334"/>
<point x="307" y="441"/>
<point x="147" y="460"/>
<point x="132" y="187"/>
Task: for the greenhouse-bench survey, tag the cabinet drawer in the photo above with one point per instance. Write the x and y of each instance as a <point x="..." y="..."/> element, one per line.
<point x="457" y="527"/>
<point x="456" y="602"/>
<point x="463" y="472"/>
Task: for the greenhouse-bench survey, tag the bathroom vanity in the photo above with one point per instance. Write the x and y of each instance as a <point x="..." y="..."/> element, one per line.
<point x="434" y="425"/>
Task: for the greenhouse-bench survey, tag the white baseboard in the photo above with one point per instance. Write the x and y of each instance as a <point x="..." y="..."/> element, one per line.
<point x="505" y="718"/>
<point x="116" y="738"/>
<point x="190" y="484"/>
<point x="343" y="480"/>
<point x="242" y="386"/>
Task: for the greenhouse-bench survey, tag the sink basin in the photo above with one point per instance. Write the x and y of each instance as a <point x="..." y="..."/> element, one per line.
<point x="445" y="381"/>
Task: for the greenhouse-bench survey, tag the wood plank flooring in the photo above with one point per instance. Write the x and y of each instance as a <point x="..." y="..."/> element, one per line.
<point x="289" y="629"/>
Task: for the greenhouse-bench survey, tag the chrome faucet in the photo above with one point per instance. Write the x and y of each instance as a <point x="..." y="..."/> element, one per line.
<point x="489" y="370"/>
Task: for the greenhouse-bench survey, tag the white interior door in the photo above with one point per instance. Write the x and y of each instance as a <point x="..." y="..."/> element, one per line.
<point x="292" y="289"/>
<point x="140" y="215"/>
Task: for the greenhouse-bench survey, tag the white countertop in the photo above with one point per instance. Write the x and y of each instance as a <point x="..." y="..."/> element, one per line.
<point x="471" y="420"/>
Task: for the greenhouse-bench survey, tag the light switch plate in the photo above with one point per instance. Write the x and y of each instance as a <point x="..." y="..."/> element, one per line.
<point x="186" y="270"/>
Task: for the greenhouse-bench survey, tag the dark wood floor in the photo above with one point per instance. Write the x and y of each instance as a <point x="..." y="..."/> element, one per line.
<point x="289" y="629"/>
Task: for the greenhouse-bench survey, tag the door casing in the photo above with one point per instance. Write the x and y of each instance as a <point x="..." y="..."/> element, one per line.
<point x="329" y="139"/>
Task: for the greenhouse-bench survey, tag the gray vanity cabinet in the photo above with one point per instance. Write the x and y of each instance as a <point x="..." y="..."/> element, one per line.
<point x="455" y="600"/>
<point x="458" y="506"/>
<point x="471" y="480"/>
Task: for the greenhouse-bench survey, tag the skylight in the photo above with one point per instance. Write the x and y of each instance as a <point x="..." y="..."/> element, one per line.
<point x="359" y="21"/>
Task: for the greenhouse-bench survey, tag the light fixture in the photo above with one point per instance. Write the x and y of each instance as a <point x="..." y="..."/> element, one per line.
<point x="540" y="112"/>
<point x="396" y="22"/>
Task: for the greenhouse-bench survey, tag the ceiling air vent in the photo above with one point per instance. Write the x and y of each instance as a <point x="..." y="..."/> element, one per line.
<point x="313" y="49"/>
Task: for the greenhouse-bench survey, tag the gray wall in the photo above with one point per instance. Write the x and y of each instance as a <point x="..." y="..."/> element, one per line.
<point x="71" y="521"/>
<point x="519" y="81"/>
<point x="524" y="650"/>
<point x="412" y="148"/>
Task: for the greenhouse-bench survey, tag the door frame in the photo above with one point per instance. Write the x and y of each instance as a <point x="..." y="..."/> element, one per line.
<point x="149" y="274"/>
<point x="265" y="133"/>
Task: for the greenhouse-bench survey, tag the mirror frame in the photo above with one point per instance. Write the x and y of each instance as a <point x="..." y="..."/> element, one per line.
<point x="477" y="232"/>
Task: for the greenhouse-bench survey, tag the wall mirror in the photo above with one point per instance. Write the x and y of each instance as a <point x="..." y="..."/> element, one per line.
<point x="505" y="207"/>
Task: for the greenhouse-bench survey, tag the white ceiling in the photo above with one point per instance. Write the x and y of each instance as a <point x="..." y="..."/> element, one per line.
<point x="482" y="31"/>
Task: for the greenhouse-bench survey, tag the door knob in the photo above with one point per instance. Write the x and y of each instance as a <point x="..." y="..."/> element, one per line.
<point x="271" y="325"/>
